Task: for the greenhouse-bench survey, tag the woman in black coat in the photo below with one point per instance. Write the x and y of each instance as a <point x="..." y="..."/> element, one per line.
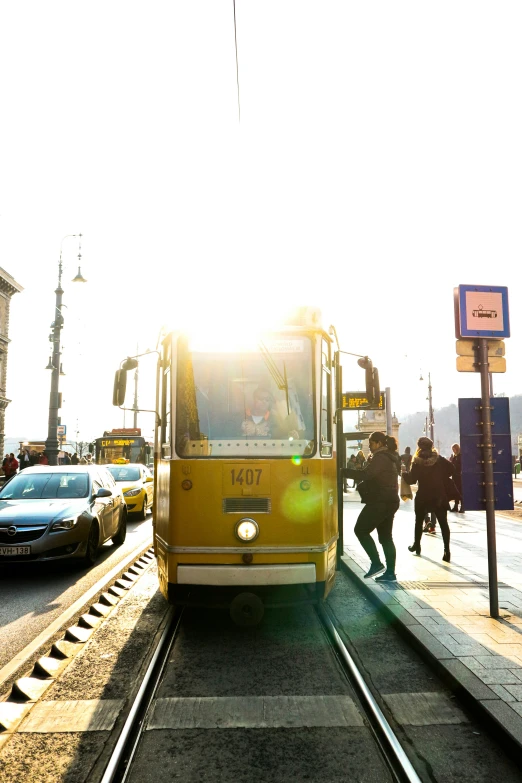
<point x="431" y="472"/>
<point x="379" y="490"/>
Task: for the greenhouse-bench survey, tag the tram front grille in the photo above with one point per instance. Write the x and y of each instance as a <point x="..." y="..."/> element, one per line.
<point x="247" y="505"/>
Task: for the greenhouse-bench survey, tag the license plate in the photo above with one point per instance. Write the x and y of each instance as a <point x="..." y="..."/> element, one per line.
<point x="241" y="479"/>
<point x="14" y="550"/>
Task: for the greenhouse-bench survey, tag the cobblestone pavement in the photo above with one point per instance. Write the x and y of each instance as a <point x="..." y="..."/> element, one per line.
<point x="446" y="605"/>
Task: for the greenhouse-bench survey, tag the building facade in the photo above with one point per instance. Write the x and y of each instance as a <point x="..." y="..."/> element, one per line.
<point x="375" y="421"/>
<point x="8" y="287"/>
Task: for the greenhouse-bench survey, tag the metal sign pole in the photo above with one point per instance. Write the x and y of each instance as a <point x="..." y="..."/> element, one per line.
<point x="341" y="454"/>
<point x="487" y="451"/>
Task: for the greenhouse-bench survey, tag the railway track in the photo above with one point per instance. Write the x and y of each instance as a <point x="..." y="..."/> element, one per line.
<point x="357" y="703"/>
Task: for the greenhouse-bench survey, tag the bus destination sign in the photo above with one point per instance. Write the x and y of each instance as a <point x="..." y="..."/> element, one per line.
<point x="358" y="400"/>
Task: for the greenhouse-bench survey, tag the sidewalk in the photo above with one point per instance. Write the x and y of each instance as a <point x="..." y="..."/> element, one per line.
<point x="444" y="607"/>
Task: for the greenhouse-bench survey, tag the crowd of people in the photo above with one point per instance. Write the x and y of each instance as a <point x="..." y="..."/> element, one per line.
<point x="12" y="465"/>
<point x="439" y="481"/>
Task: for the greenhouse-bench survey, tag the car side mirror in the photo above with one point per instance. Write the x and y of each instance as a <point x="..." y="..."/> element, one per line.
<point x="102" y="493"/>
<point x="148" y="479"/>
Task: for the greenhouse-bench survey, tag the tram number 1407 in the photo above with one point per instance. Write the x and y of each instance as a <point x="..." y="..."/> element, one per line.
<point x="248" y="476"/>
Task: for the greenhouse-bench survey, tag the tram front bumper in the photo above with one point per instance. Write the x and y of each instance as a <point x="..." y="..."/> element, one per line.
<point x="247" y="576"/>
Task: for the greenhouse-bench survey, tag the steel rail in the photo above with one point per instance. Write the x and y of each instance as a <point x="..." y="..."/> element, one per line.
<point x="142" y="700"/>
<point x="397" y="759"/>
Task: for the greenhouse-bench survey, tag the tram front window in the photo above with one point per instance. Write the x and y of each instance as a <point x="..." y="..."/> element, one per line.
<point x="252" y="403"/>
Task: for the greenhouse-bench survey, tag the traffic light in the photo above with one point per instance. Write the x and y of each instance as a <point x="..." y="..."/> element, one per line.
<point x="373" y="391"/>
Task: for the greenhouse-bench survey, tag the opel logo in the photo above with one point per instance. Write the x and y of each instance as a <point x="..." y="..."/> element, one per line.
<point x="11" y="531"/>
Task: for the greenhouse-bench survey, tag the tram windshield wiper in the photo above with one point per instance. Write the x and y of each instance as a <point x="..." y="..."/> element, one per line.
<point x="280" y="379"/>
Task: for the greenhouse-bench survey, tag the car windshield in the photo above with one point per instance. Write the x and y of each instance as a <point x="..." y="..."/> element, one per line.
<point x="41" y="486"/>
<point x="123" y="472"/>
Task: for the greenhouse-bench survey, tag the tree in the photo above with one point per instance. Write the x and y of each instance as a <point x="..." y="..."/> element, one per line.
<point x="82" y="447"/>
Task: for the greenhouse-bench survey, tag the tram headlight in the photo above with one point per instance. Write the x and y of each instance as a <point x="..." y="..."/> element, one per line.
<point x="247" y="529"/>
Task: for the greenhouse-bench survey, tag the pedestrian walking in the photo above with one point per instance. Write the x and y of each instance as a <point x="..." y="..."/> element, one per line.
<point x="11" y="466"/>
<point x="24" y="459"/>
<point x="456" y="461"/>
<point x="89" y="459"/>
<point x="378" y="488"/>
<point x="406" y="459"/>
<point x="66" y="458"/>
<point x="393" y="448"/>
<point x="431" y="472"/>
<point x="360" y="459"/>
<point x="75" y="459"/>
<point x="44" y="459"/>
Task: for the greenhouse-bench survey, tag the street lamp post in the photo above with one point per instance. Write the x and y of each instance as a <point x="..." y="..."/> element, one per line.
<point x="52" y="443"/>
<point x="430" y="418"/>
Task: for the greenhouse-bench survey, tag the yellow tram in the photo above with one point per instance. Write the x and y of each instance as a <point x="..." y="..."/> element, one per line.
<point x="246" y="484"/>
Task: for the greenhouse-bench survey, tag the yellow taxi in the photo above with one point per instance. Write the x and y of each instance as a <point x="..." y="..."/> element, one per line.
<point x="137" y="485"/>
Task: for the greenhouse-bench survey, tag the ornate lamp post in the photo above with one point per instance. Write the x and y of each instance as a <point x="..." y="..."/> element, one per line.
<point x="52" y="445"/>
<point x="430" y="419"/>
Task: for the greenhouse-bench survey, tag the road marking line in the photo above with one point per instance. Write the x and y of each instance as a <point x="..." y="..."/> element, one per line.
<point x="254" y="712"/>
<point x="49" y="717"/>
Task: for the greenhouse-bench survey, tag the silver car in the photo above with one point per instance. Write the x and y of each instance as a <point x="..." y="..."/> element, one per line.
<point x="53" y="513"/>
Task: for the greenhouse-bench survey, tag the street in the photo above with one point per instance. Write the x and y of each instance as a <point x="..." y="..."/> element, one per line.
<point x="33" y="595"/>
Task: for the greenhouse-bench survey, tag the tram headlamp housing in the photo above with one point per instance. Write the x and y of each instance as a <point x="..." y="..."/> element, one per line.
<point x="247" y="529"/>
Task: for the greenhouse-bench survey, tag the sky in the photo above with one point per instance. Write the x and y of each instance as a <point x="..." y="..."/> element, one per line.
<point x="377" y="165"/>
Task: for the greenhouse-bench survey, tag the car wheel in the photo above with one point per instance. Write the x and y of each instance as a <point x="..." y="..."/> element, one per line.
<point x="93" y="542"/>
<point x="121" y="533"/>
<point x="143" y="513"/>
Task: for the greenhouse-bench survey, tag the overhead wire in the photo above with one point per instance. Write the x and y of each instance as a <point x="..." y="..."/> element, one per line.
<point x="237" y="62"/>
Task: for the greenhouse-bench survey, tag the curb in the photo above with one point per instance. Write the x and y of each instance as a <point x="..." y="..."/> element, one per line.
<point x="499" y="716"/>
<point x="26" y="691"/>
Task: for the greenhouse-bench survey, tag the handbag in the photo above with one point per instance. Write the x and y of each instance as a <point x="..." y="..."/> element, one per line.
<point x="406" y="491"/>
<point x="365" y="490"/>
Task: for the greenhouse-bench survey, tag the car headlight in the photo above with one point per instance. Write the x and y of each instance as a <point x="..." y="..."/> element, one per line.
<point x="65" y="524"/>
<point x="132" y="492"/>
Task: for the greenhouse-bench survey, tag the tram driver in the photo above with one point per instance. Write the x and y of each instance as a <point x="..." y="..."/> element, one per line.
<point x="262" y="419"/>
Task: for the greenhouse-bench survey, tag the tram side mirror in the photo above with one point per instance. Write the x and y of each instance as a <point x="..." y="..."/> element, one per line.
<point x="120" y="387"/>
<point x="373" y="391"/>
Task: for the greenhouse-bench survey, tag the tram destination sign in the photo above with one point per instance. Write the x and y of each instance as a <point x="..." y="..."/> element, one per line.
<point x="358" y="400"/>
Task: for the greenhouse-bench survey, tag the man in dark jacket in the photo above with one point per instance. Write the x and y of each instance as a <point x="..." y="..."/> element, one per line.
<point x="431" y="472"/>
<point x="378" y="487"/>
<point x="456" y="461"/>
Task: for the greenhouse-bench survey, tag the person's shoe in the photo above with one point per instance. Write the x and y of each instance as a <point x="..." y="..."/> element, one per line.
<point x="446" y="556"/>
<point x="462" y="511"/>
<point x="386" y="577"/>
<point x="454" y="509"/>
<point x="426" y="528"/>
<point x="431" y="530"/>
<point x="374" y="569"/>
<point x="415" y="548"/>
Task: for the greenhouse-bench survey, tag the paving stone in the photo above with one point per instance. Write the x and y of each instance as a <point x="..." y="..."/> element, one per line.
<point x="509" y="718"/>
<point x="501" y="692"/>
<point x="89" y="621"/>
<point x="50" y="667"/>
<point x="430" y="642"/>
<point x="29" y="688"/>
<point x="77" y="634"/>
<point x="100" y="609"/>
<point x="11" y="713"/>
<point x="65" y="649"/>
<point x="424" y="709"/>
<point x="468" y="679"/>
<point x="515" y="690"/>
<point x="108" y="599"/>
